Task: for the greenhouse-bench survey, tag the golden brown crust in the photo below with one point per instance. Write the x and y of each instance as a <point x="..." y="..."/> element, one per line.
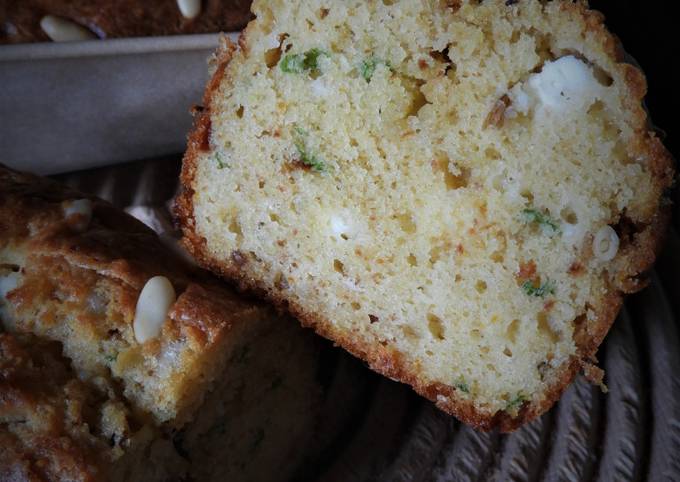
<point x="20" y="21"/>
<point x="80" y="287"/>
<point x="644" y="245"/>
<point x="43" y="409"/>
<point x="197" y="142"/>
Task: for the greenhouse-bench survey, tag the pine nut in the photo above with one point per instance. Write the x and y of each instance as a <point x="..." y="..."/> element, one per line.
<point x="78" y="213"/>
<point x="61" y="30"/>
<point x="606" y="243"/>
<point x="153" y="306"/>
<point x="189" y="8"/>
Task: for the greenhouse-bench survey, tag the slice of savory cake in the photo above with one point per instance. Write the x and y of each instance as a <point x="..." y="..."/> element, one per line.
<point x="458" y="192"/>
<point x="119" y="361"/>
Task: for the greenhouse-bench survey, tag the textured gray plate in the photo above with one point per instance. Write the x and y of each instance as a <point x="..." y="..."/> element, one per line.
<point x="375" y="429"/>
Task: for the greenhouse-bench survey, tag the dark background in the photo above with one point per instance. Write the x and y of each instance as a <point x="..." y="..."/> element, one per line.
<point x="650" y="33"/>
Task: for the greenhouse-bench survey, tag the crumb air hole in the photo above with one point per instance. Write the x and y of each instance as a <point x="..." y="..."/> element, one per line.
<point x="451" y="180"/>
<point x="511" y="331"/>
<point x="339" y="267"/>
<point x="272" y="57"/>
<point x="406" y="223"/>
<point x="544" y="327"/>
<point x="412" y="261"/>
<point x="569" y="216"/>
<point x="411" y="334"/>
<point x="435" y="325"/>
<point x="235" y="228"/>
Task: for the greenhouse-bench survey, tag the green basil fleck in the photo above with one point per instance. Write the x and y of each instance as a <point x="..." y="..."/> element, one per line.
<point x="300" y="131"/>
<point x="462" y="386"/>
<point x="368" y="66"/>
<point x="299" y="63"/>
<point x="534" y="216"/>
<point x="220" y="164"/>
<point x="516" y="402"/>
<point x="530" y="288"/>
<point x="306" y="156"/>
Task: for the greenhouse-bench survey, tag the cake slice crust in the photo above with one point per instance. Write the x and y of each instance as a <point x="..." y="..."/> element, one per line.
<point x="82" y="398"/>
<point x="460" y="196"/>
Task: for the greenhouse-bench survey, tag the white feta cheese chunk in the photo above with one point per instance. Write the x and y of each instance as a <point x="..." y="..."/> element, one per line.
<point x="564" y="85"/>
